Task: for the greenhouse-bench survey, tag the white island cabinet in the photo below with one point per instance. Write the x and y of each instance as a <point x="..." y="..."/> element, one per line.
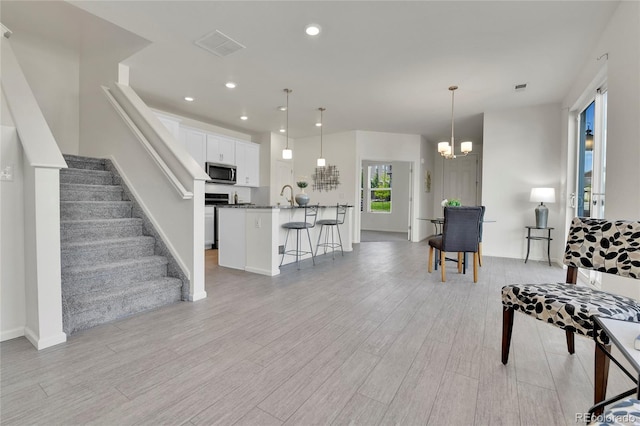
<point x="251" y="237"/>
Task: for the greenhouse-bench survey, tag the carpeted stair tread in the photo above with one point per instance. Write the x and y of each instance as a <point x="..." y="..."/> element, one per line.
<point x="82" y="230"/>
<point x="121" y="265"/>
<point x="77" y="210"/>
<point x="86" y="310"/>
<point x="78" y="162"/>
<point x="105" y="251"/>
<point x="86" y="176"/>
<point x="82" y="192"/>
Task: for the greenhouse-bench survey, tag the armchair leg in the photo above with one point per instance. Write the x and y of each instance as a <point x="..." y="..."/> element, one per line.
<point x="570" y="342"/>
<point x="429" y="267"/>
<point x="459" y="262"/>
<point x="507" y="327"/>
<point x="475" y="267"/>
<point x="442" y="267"/>
<point x="601" y="376"/>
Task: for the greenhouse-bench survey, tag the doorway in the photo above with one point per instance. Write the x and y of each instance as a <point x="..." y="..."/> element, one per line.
<point x="385" y="200"/>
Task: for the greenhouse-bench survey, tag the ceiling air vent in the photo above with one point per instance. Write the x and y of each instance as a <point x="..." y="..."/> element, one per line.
<point x="521" y="87"/>
<point x="219" y="44"/>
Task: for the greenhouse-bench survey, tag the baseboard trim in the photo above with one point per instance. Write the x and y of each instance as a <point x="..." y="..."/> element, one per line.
<point x="197" y="296"/>
<point x="39" y="343"/>
<point x="11" y="334"/>
<point x="261" y="271"/>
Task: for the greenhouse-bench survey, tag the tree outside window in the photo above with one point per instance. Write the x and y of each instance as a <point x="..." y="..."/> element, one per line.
<point x="380" y="177"/>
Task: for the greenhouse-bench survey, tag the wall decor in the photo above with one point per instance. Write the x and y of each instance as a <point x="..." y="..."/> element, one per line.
<point x="427" y="181"/>
<point x="326" y="178"/>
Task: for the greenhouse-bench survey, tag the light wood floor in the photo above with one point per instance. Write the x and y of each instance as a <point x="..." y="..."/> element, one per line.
<point x="370" y="338"/>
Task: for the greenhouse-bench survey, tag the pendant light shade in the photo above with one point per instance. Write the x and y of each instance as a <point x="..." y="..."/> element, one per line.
<point x="287" y="153"/>
<point x="447" y="149"/>
<point x="321" y="160"/>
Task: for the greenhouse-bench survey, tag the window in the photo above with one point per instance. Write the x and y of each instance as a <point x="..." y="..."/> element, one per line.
<point x="380" y="178"/>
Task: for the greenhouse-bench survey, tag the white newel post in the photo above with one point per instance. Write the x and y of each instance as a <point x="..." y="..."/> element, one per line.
<point x="42" y="257"/>
<point x="196" y="286"/>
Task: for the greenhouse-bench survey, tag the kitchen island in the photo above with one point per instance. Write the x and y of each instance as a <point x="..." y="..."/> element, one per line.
<point x="251" y="237"/>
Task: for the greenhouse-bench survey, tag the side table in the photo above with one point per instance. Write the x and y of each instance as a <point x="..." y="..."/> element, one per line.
<point x="622" y="335"/>
<point x="539" y="237"/>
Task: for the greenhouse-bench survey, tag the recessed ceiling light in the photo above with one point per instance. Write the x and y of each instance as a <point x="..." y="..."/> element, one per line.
<point x="282" y="108"/>
<point x="188" y="98"/>
<point x="244" y="117"/>
<point x="312" y="29"/>
<point x="230" y="85"/>
<point x="318" y="124"/>
<point x="282" y="130"/>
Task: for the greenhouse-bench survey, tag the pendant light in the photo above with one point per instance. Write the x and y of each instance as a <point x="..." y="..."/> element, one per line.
<point x="321" y="160"/>
<point x="448" y="150"/>
<point x="287" y="153"/>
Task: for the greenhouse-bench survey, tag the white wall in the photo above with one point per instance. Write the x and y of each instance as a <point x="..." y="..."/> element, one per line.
<point x="621" y="42"/>
<point x="398" y="219"/>
<point x="52" y="71"/>
<point x="339" y="149"/>
<point x="522" y="150"/>
<point x="12" y="249"/>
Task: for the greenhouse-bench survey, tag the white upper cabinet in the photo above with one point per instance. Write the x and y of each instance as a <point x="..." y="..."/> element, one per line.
<point x="248" y="163"/>
<point x="196" y="143"/>
<point x="172" y="125"/>
<point x="220" y="149"/>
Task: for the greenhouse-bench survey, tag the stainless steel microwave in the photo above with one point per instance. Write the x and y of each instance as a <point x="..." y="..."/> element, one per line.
<point x="221" y="173"/>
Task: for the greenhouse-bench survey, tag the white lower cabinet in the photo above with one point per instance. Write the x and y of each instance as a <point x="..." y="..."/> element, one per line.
<point x="209" y="226"/>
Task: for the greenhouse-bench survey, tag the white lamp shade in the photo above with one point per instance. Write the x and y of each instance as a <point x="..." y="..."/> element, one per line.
<point x="443" y="147"/>
<point x="543" y="195"/>
<point x="287" y="154"/>
<point x="321" y="162"/>
<point x="447" y="151"/>
<point x="466" y="147"/>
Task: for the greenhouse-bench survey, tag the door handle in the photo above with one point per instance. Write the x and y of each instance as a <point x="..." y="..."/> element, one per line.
<point x="572" y="200"/>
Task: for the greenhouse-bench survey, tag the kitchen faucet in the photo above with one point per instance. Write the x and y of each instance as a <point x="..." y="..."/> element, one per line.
<point x="290" y="200"/>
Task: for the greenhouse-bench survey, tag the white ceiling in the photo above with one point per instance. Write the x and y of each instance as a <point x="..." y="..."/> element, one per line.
<point x="379" y="66"/>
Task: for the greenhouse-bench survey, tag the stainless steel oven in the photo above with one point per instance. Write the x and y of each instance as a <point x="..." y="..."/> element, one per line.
<point x="215" y="199"/>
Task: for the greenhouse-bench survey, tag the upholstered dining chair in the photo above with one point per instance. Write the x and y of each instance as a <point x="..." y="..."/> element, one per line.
<point x="610" y="247"/>
<point x="482" y="210"/>
<point x="460" y="234"/>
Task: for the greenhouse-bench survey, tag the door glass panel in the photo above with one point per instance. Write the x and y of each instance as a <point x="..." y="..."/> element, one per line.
<point x="585" y="160"/>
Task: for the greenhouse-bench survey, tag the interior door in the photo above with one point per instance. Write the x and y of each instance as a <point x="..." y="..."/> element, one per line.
<point x="461" y="179"/>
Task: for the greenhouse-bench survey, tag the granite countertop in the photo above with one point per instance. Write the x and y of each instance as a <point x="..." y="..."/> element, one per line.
<point x="281" y="206"/>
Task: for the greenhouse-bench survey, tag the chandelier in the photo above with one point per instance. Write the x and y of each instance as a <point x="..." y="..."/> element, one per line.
<point x="448" y="150"/>
<point x="287" y="153"/>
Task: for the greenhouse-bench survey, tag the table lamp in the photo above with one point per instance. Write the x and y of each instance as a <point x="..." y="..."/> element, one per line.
<point x="542" y="195"/>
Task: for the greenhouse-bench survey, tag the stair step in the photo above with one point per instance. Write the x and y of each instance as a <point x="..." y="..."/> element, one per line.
<point x="105" y="276"/>
<point x="79" y="192"/>
<point x="95" y="252"/>
<point x="86" y="177"/>
<point x="77" y="210"/>
<point x="99" y="229"/>
<point x="87" y="310"/>
<point x="87" y="163"/>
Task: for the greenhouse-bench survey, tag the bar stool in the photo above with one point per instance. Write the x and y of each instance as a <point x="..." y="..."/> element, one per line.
<point x="341" y="213"/>
<point x="310" y="213"/>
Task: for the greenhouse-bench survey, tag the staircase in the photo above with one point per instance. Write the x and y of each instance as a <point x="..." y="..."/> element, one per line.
<point x="109" y="270"/>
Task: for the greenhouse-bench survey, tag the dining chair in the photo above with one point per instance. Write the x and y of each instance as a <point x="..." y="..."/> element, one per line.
<point x="460" y="234"/>
<point x="482" y="210"/>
